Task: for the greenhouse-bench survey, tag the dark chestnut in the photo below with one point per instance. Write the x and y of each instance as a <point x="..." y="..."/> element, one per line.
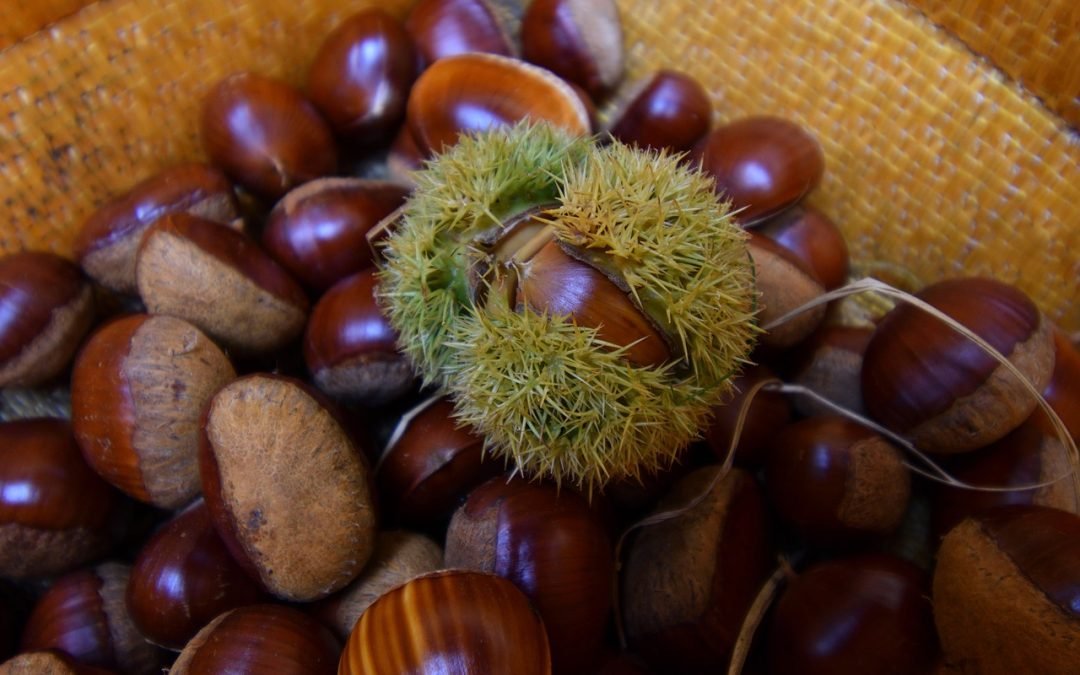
<point x="265" y="134"/>
<point x="107" y="242"/>
<point x="784" y="284"/>
<point x="836" y="481"/>
<point x="1006" y="592"/>
<point x="261" y="639"/>
<point x="554" y="547"/>
<point x="318" y="231"/>
<point x="46" y="307"/>
<point x="923" y="379"/>
<point x="829" y="362"/>
<point x="404" y="157"/>
<point x="813" y="238"/>
<point x="851" y="616"/>
<point x="84" y="614"/>
<point x="581" y="41"/>
<point x="762" y="164"/>
<point x="55" y="512"/>
<point x="1063" y="390"/>
<point x="350" y="348"/>
<point x="48" y="662"/>
<point x="667" y="110"/>
<point x="767" y="415"/>
<point x="431" y="464"/>
<point x="361" y="75"/>
<point x="183" y="578"/>
<point x="442" y="28"/>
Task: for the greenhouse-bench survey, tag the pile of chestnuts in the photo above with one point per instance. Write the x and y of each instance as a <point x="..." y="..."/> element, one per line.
<point x="255" y="478"/>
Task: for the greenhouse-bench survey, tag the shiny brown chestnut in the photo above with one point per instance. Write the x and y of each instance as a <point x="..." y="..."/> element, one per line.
<point x="360" y="77"/>
<point x="286" y="486"/>
<point x="138" y="388"/>
<point x="443" y="28"/>
<point x="265" y="134"/>
<point x="669" y="110"/>
<point x="688" y="582"/>
<point x="829" y="362"/>
<point x="55" y="512"/>
<point x="769" y="412"/>
<point x="350" y="348"/>
<point x="836" y="481"/>
<point x="47" y="662"/>
<point x="399" y="557"/>
<point x="184" y="577"/>
<point x="430" y="464"/>
<point x="581" y="41"/>
<point x="783" y="284"/>
<point x="1005" y="592"/>
<point x="551" y="545"/>
<point x="107" y="242"/>
<point x="318" y="231"/>
<point x="473" y="92"/>
<point x="220" y="281"/>
<point x="48" y="306"/>
<point x="763" y="164"/>
<point x="925" y="380"/>
<point x="1063" y="390"/>
<point x="455" y="621"/>
<point x="863" y="614"/>
<point x="815" y="239"/>
<point x="84" y="614"/>
<point x="260" y="639"/>
<point x="1030" y="454"/>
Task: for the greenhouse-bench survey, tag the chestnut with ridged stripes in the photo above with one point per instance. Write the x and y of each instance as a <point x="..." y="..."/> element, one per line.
<point x="46" y="307"/>
<point x="184" y="577"/>
<point x="453" y="622"/>
<point x="260" y="639"/>
<point x="55" y="512"/>
<point x="925" y="380"/>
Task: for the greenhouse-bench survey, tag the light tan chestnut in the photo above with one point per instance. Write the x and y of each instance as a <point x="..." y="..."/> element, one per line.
<point x="221" y="281"/>
<point x="137" y="390"/>
<point x="784" y="284"/>
<point x="287" y="488"/>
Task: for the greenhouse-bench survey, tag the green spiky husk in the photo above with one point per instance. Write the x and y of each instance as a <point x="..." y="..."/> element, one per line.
<point x="545" y="393"/>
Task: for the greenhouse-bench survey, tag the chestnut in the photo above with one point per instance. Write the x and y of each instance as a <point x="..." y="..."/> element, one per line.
<point x="688" y="582"/>
<point x="47" y="662"/>
<point x="763" y="164"/>
<point x="1063" y="390"/>
<point x="84" y="614"/>
<point x="137" y="390"/>
<point x="398" y="557"/>
<point x="849" y="616"/>
<point x="430" y="465"/>
<point x="443" y="28"/>
<point x="815" y="239"/>
<point x="1031" y="453"/>
<point x="829" y="362"/>
<point x="55" y="512"/>
<point x="220" y="281"/>
<point x="260" y="639"/>
<point x="361" y="75"/>
<point x="265" y="134"/>
<point x="554" y="547"/>
<point x="318" y="231"/>
<point x="286" y="486"/>
<point x="1005" y="592"/>
<point x="925" y="380"/>
<point x="768" y="413"/>
<point x="667" y="110"/>
<point x="836" y="481"/>
<point x="107" y="242"/>
<point x="473" y="92"/>
<point x="404" y="157"/>
<point x="48" y="306"/>
<point x="350" y="348"/>
<point x="783" y="284"/>
<point x="182" y="578"/>
<point x="455" y="621"/>
<point x="581" y="41"/>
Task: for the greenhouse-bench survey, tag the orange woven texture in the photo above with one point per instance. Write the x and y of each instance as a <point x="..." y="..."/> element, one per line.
<point x="20" y="18"/>
<point x="935" y="160"/>
<point x="1036" y="42"/>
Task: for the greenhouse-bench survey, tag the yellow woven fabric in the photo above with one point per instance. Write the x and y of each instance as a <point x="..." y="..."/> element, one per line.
<point x="935" y="160"/>
<point x="1035" y="41"/>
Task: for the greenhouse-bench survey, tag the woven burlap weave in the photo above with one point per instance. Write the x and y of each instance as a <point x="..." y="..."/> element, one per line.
<point x="937" y="160"/>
